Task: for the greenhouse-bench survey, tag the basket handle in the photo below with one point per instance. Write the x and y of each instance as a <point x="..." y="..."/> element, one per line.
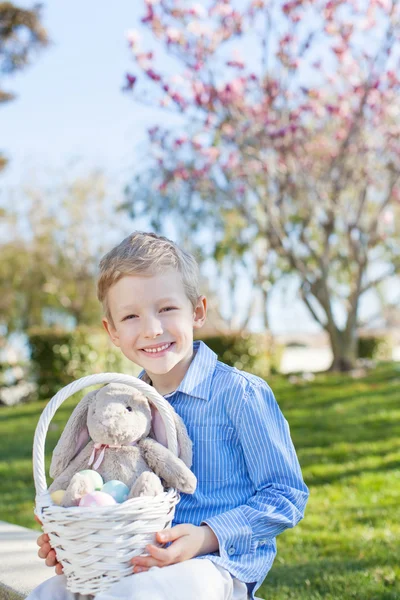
<point x="155" y="398"/>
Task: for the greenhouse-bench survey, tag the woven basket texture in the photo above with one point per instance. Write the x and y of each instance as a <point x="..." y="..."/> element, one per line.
<point x="95" y="544"/>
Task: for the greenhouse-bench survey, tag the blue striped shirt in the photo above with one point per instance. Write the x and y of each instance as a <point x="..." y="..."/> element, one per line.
<point x="250" y="486"/>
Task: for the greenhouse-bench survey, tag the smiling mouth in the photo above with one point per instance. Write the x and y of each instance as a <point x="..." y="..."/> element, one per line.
<point x="157" y="350"/>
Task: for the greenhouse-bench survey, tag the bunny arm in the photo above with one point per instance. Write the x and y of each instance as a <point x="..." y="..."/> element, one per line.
<point x="167" y="466"/>
<point x="77" y="464"/>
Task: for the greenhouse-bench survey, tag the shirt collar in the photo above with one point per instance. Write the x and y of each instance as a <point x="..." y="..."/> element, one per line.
<point x="198" y="378"/>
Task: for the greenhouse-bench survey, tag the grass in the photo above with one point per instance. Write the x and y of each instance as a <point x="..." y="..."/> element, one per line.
<point x="347" y="435"/>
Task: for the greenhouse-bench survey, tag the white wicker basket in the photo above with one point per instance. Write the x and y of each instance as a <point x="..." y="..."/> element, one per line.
<point x="95" y="545"/>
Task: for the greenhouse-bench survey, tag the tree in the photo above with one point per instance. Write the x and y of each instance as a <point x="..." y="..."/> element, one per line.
<point x="294" y="144"/>
<point x="52" y="238"/>
<point x="21" y="35"/>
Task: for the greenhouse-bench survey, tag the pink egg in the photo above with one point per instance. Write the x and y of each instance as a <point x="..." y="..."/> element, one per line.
<point x="97" y="499"/>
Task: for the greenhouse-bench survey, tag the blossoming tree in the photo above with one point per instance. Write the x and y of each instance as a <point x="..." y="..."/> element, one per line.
<point x="21" y="35"/>
<point x="283" y="136"/>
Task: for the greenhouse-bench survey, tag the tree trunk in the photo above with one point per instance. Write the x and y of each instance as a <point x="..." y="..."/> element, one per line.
<point x="344" y="349"/>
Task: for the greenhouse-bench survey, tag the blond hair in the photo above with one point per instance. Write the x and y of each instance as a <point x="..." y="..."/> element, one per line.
<point x="147" y="253"/>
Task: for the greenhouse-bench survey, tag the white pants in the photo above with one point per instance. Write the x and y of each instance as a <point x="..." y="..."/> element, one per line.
<point x="196" y="579"/>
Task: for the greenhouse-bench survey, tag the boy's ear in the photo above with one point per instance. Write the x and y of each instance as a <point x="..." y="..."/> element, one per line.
<point x="112" y="332"/>
<point x="200" y="313"/>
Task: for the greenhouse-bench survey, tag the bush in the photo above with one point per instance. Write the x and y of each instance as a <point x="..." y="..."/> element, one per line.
<point x="59" y="357"/>
<point x="375" y="347"/>
<point x="251" y="352"/>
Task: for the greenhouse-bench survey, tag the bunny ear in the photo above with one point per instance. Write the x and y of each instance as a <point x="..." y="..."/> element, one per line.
<point x="159" y="433"/>
<point x="74" y="437"/>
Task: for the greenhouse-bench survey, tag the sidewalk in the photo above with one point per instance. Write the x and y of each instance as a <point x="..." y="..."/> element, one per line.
<point x="21" y="569"/>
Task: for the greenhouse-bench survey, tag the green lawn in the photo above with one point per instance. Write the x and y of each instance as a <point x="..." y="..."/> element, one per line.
<point x="347" y="434"/>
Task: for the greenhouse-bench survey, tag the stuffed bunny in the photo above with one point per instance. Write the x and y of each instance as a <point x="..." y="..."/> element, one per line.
<point x="109" y="431"/>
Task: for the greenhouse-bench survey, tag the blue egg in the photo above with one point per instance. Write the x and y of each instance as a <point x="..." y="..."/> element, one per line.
<point x="118" y="490"/>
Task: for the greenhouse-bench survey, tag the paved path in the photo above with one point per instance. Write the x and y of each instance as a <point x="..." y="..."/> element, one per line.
<point x="20" y="567"/>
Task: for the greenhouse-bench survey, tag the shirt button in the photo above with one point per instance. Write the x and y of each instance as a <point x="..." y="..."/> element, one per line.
<point x="231" y="550"/>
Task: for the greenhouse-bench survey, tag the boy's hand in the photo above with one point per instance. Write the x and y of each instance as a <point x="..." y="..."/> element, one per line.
<point x="47" y="552"/>
<point x="187" y="540"/>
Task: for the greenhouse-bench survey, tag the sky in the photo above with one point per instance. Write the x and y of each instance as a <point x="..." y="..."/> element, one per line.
<point x="69" y="102"/>
<point x="70" y="107"/>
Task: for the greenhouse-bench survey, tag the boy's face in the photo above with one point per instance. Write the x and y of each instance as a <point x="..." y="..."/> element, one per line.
<point x="153" y="323"/>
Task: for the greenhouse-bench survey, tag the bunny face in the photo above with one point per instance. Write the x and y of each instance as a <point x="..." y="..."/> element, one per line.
<point x="119" y="415"/>
<point x="114" y="415"/>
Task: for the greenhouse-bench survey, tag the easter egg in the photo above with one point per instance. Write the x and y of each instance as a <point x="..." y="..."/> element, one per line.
<point x="117" y="489"/>
<point x="57" y="496"/>
<point x="94" y="476"/>
<point x="97" y="499"/>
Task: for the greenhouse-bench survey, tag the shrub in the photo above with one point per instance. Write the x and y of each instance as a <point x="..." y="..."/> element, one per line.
<point x="375" y="347"/>
<point x="252" y="352"/>
<point x="59" y="357"/>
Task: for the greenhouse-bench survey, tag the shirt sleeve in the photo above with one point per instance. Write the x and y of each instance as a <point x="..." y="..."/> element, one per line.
<point x="280" y="494"/>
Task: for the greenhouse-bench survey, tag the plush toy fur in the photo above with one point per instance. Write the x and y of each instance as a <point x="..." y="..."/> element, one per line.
<point x="110" y="429"/>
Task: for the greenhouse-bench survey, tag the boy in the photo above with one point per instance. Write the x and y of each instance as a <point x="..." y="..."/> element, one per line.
<point x="250" y="487"/>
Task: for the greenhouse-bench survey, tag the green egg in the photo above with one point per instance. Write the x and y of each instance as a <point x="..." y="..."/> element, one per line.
<point x="95" y="477"/>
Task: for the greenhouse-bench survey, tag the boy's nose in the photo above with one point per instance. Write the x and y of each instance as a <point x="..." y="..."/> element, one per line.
<point x="152" y="328"/>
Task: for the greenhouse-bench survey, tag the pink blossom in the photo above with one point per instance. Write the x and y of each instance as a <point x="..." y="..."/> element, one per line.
<point x="333" y="110"/>
<point x="233" y="160"/>
<point x="178" y="99"/>
<point x="392" y="77"/>
<point x="153" y="75"/>
<point x="221" y="10"/>
<point x="199" y="29"/>
<point x="174" y="35"/>
<point x="339" y="50"/>
<point x="197" y="10"/>
<point x="212" y="154"/>
<point x="182" y="173"/>
<point x="196" y="142"/>
<point x="153" y="131"/>
<point x="130" y="81"/>
<point x="144" y="59"/>
<point x="149" y="16"/>
<point x="388" y="217"/>
<point x="331" y="28"/>
<point x="340" y="134"/>
<point x="253" y="166"/>
<point x="133" y="38"/>
<point x="228" y="130"/>
<point x="235" y="63"/>
<point x="180" y="141"/>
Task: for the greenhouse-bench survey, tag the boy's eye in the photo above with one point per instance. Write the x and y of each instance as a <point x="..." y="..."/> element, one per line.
<point x="129" y="317"/>
<point x="167" y="308"/>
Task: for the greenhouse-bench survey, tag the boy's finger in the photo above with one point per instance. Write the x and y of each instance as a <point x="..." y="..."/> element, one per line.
<point x="42" y="539"/>
<point x="170" y="535"/>
<point x="166" y="556"/>
<point x="59" y="569"/>
<point x="146" y="563"/>
<point x="44" y="550"/>
<point x="51" y="559"/>
<point x="163" y="555"/>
